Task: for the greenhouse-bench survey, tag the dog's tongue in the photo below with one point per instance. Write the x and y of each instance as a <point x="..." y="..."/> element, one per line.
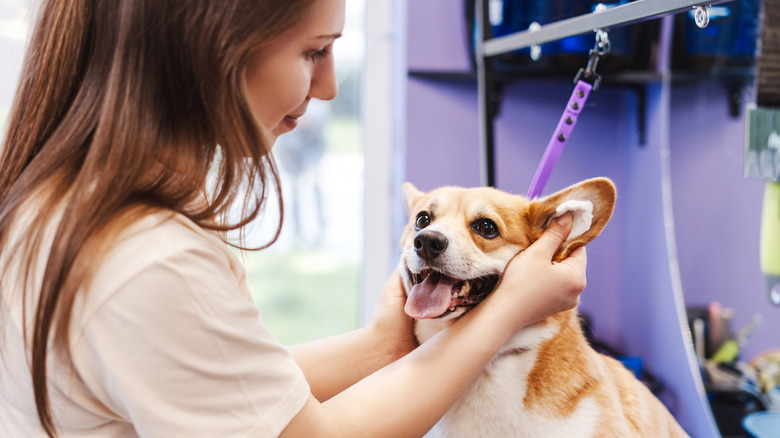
<point x="430" y="298"/>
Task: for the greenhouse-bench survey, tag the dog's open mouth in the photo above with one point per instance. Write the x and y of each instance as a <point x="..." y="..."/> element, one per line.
<point x="434" y="294"/>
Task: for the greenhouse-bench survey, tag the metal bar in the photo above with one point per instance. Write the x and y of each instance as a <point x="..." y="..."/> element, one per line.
<point x="640" y="10"/>
<point x="486" y="123"/>
<point x="479" y="49"/>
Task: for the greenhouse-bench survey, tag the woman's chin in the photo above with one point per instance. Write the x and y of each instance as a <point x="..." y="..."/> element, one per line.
<point x="286" y="125"/>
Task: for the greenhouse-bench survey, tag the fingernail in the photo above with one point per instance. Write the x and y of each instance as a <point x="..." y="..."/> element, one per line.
<point x="563" y="219"/>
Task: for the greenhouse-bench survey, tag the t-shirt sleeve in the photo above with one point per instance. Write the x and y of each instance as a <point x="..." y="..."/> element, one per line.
<point x="178" y="351"/>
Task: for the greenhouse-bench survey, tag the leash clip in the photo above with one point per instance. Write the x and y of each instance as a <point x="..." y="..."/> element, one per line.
<point x="602" y="47"/>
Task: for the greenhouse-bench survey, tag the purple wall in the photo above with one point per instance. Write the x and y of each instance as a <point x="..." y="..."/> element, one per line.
<point x="652" y="314"/>
<point x="441" y="120"/>
<point x="442" y="45"/>
<point x="718" y="212"/>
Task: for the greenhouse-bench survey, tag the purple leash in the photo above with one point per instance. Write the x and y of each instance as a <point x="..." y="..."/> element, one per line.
<point x="587" y="80"/>
<point x="560" y="137"/>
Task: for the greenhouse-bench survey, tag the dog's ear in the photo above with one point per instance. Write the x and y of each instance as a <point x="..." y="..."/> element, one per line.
<point x="590" y="202"/>
<point x="411" y="196"/>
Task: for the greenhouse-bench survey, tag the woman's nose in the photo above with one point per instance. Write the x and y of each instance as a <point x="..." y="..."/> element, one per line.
<point x="324" y="85"/>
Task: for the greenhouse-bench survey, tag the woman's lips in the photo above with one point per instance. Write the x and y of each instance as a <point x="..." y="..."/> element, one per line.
<point x="290" y="122"/>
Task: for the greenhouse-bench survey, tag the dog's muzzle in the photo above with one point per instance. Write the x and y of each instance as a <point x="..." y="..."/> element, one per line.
<point x="434" y="294"/>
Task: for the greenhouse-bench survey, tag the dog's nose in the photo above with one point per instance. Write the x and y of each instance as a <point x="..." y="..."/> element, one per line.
<point x="429" y="244"/>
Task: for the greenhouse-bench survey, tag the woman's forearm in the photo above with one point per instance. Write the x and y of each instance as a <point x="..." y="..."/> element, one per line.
<point x="333" y="364"/>
<point x="408" y="396"/>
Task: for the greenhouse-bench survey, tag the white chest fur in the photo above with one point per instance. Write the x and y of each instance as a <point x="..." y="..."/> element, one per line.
<point x="493" y="405"/>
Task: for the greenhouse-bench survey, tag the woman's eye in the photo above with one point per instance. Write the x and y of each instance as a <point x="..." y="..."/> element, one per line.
<point x="485" y="228"/>
<point x="423" y="220"/>
<point x="316" y="55"/>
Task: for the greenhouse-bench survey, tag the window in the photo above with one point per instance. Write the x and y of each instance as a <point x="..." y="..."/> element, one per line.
<point x="307" y="285"/>
<point x="14" y="27"/>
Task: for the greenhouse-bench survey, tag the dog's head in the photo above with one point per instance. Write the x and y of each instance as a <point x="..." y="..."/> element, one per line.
<point x="458" y="241"/>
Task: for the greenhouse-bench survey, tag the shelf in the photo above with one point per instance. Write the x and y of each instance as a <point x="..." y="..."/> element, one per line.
<point x="643" y="77"/>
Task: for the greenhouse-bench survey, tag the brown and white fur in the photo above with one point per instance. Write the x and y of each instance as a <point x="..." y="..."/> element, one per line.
<point x="546" y="381"/>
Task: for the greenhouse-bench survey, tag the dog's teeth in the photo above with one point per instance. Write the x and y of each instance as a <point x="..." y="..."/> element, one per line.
<point x="461" y="292"/>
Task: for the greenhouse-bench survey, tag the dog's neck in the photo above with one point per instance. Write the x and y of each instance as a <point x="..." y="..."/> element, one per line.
<point x="529" y="338"/>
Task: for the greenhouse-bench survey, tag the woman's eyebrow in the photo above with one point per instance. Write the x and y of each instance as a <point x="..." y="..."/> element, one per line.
<point x="329" y="36"/>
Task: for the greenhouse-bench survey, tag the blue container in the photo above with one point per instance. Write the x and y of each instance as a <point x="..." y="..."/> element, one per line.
<point x="630" y="45"/>
<point x="764" y="424"/>
<point x="729" y="41"/>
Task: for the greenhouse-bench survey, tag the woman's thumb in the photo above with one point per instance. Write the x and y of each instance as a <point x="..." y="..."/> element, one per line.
<point x="555" y="234"/>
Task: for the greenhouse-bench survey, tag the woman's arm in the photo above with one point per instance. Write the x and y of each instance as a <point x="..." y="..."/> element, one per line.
<point x="333" y="364"/>
<point x="407" y="397"/>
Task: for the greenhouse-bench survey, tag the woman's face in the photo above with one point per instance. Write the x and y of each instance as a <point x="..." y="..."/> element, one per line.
<point x="297" y="66"/>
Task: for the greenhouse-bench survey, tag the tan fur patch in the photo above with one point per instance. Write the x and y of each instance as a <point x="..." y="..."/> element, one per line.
<point x="561" y="376"/>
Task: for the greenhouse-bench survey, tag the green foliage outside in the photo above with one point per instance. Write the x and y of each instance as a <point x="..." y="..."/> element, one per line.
<point x="304" y="294"/>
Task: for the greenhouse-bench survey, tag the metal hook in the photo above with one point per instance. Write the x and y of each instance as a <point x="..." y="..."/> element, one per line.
<point x="702" y="16"/>
<point x="603" y="45"/>
<point x="536" y="49"/>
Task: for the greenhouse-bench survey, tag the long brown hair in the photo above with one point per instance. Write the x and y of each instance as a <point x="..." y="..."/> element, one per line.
<point x="128" y="103"/>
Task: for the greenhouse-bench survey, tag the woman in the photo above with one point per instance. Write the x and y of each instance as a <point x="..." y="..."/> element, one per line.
<point x="136" y="126"/>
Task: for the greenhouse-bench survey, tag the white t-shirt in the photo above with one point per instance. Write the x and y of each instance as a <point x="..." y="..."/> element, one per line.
<point x="166" y="342"/>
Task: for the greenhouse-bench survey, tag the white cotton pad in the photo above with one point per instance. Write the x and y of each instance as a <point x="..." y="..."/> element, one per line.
<point x="581" y="213"/>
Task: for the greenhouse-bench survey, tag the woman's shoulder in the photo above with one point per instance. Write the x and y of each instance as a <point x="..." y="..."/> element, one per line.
<point x="169" y="253"/>
<point x="159" y="233"/>
<point x="164" y="236"/>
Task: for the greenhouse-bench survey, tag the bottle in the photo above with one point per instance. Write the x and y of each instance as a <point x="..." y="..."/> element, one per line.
<point x="770" y="241"/>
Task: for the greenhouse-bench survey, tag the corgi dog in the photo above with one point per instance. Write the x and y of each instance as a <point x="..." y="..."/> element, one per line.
<point x="546" y="381"/>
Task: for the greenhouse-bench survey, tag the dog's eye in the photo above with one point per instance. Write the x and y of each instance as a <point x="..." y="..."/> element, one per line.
<point x="486" y="228"/>
<point x="423" y="220"/>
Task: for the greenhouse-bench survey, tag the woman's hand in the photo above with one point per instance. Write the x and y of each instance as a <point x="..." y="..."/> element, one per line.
<point x="535" y="284"/>
<point x="391" y="326"/>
